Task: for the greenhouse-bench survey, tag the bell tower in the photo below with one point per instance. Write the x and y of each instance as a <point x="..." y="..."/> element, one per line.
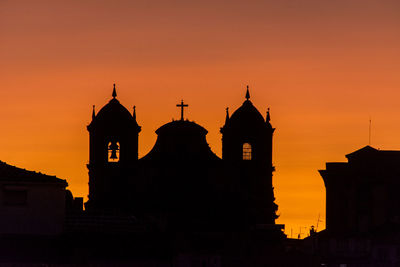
<point x="246" y="135"/>
<point x="113" y="140"/>
<point x="247" y="147"/>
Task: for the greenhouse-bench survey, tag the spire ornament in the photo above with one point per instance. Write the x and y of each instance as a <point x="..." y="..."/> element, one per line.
<point x="114" y="93"/>
<point x="93" y="113"/>
<point x="227" y="115"/>
<point x="247" y="93"/>
<point x="268" y="118"/>
<point x="134" y="113"/>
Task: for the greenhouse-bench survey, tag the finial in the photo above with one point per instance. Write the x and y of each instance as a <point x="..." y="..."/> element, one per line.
<point x="134" y="113"/>
<point x="247" y="93"/>
<point x="94" y="112"/>
<point x="114" y="93"/>
<point x="268" y="119"/>
<point x="227" y="115"/>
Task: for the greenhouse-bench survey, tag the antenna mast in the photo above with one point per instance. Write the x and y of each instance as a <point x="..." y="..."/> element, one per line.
<point x="369" y="135"/>
<point x="318" y="221"/>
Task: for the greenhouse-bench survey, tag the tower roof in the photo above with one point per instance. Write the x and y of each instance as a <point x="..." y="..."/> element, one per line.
<point x="246" y="115"/>
<point x="113" y="113"/>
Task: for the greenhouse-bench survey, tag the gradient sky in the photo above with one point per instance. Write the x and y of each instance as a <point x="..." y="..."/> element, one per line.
<point x="323" y="67"/>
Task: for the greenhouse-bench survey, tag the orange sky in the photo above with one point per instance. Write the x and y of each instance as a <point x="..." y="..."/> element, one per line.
<point x="324" y="67"/>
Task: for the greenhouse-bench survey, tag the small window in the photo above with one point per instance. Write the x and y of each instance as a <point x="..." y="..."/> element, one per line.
<point x="113" y="152"/>
<point x="15" y="197"/>
<point x="246" y="151"/>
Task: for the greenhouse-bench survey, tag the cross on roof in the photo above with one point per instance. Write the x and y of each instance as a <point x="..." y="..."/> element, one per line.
<point x="182" y="106"/>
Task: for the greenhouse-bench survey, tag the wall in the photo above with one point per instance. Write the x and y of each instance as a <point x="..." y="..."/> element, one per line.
<point x="42" y="212"/>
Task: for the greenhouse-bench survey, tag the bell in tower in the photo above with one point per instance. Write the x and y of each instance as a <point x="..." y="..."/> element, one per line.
<point x="113" y="150"/>
<point x="114" y="135"/>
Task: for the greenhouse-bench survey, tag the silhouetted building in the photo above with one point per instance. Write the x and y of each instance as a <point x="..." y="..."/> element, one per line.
<point x="113" y="153"/>
<point x="180" y="205"/>
<point x="181" y="183"/>
<point x="362" y="194"/>
<point x="31" y="203"/>
<point x="362" y="211"/>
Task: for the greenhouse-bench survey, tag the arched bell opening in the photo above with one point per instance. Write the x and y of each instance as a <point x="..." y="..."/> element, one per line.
<point x="113" y="151"/>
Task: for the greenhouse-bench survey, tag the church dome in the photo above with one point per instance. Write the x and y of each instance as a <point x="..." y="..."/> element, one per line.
<point x="181" y="127"/>
<point x="113" y="111"/>
<point x="247" y="116"/>
<point x="113" y="114"/>
<point x="182" y="139"/>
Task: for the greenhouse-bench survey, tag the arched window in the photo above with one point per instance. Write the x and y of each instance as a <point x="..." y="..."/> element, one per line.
<point x="246" y="151"/>
<point x="113" y="151"/>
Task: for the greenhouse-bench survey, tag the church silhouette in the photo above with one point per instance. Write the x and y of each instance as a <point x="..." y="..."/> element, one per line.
<point x="183" y="206"/>
<point x="181" y="184"/>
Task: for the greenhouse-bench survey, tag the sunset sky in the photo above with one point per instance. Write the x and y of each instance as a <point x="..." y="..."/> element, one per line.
<point x="323" y="67"/>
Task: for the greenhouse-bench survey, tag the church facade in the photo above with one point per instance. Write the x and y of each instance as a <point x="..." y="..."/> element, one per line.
<point x="181" y="183"/>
